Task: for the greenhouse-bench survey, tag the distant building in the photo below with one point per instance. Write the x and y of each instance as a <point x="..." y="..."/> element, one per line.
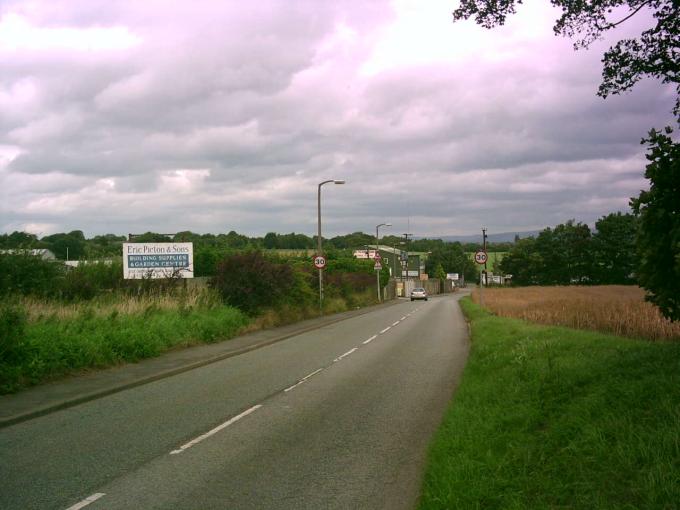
<point x="395" y="259"/>
<point x="43" y="253"/>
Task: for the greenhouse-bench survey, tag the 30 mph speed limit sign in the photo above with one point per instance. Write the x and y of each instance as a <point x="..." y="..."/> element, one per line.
<point x="481" y="257"/>
<point x="320" y="262"/>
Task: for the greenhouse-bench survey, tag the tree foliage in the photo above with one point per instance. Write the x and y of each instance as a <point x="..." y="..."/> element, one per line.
<point x="658" y="209"/>
<point x="614" y="257"/>
<point x="655" y="53"/>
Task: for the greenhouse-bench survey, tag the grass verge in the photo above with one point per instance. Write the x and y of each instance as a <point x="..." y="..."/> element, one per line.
<point x="550" y="417"/>
<point x="42" y="349"/>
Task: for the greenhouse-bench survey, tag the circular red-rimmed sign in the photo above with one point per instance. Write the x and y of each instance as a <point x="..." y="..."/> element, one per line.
<point x="319" y="261"/>
<point x="481" y="257"/>
<point x="377" y="256"/>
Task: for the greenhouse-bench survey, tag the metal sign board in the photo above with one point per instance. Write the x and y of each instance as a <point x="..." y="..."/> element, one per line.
<point x="158" y="260"/>
<point x="319" y="262"/>
<point x="481" y="257"/>
<point x="377" y="266"/>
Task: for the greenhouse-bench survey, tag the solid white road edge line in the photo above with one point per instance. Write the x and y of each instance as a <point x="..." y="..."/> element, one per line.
<point x="215" y="430"/>
<point x="86" y="501"/>
<point x="403" y="318"/>
<point x="395" y="323"/>
<point x="386" y="329"/>
<point x="370" y="339"/>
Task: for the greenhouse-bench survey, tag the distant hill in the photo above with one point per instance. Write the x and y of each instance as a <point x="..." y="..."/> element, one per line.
<point x="504" y="237"/>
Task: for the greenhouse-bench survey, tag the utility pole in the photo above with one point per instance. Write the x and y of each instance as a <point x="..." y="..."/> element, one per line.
<point x="483" y="278"/>
<point x="406" y="236"/>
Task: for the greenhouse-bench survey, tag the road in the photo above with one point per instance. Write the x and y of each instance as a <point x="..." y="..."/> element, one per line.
<point x="339" y="417"/>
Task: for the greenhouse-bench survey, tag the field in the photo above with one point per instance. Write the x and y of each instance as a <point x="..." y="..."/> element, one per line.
<point x="494" y="257"/>
<point x="620" y="310"/>
<point x="553" y="417"/>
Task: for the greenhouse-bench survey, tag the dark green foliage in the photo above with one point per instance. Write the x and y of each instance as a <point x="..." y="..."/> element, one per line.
<point x="658" y="240"/>
<point x="613" y="249"/>
<point x="523" y="262"/>
<point x="452" y="259"/>
<point x="252" y="282"/>
<point x="13" y="350"/>
<point x="12" y="332"/>
<point x="354" y="241"/>
<point x="18" y="240"/>
<point x="27" y="274"/>
<point x="565" y="254"/>
<point x="71" y="245"/>
<point x="205" y="260"/>
<point x="90" y="280"/>
<point x="655" y="53"/>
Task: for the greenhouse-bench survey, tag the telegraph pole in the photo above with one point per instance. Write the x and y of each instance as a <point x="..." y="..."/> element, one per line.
<point x="406" y="236"/>
<point x="483" y="278"/>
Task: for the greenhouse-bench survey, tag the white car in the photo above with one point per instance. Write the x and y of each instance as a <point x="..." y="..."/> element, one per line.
<point x="418" y="293"/>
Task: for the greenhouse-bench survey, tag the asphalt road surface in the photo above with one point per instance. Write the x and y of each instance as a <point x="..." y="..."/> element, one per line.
<point x="339" y="417"/>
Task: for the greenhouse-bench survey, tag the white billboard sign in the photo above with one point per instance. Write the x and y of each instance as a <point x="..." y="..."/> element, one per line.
<point x="158" y="260"/>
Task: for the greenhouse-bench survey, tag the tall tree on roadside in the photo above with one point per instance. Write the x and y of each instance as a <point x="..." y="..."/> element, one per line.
<point x="614" y="254"/>
<point x="658" y="209"/>
<point x="522" y="262"/>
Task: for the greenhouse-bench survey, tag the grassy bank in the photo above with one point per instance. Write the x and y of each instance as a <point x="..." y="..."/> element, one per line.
<point x="550" y="417"/>
<point x="74" y="338"/>
<point x="44" y="339"/>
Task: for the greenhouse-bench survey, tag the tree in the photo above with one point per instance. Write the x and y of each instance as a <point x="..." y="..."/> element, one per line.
<point x="614" y="249"/>
<point x="522" y="262"/>
<point x="658" y="240"/>
<point x="270" y="241"/>
<point x="452" y="259"/>
<point x="655" y="53"/>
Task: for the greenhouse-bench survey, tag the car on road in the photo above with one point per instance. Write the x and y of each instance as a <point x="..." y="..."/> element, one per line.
<point x="418" y="293"/>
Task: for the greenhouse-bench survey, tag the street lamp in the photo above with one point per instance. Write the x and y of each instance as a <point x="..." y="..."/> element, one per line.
<point x="318" y="239"/>
<point x="377" y="240"/>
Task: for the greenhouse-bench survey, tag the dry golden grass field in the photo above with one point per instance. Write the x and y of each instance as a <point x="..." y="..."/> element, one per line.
<point x="617" y="309"/>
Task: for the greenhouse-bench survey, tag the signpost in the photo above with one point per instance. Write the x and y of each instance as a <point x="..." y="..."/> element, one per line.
<point x="158" y="260"/>
<point x="481" y="257"/>
<point x="319" y="262"/>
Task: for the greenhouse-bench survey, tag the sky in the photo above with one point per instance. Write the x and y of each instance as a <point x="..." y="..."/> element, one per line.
<point x="211" y="116"/>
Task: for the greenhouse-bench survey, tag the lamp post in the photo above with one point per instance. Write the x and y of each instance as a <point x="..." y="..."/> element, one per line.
<point x="377" y="240"/>
<point x="318" y="239"/>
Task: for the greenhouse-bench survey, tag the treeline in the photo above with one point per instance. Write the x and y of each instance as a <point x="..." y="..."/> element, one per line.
<point x="571" y="253"/>
<point x="75" y="246"/>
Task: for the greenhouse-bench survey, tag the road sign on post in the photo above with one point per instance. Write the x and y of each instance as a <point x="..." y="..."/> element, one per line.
<point x="481" y="257"/>
<point x="377" y="266"/>
<point x="319" y="261"/>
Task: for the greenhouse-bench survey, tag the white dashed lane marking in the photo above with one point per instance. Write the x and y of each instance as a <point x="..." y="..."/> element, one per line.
<point x="370" y="339"/>
<point x="215" y="430"/>
<point x="86" y="501"/>
<point x="386" y="329"/>
<point x="345" y="355"/>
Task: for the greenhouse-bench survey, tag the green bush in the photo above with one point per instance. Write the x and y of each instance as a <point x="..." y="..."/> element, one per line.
<point x="89" y="280"/>
<point x="25" y="274"/>
<point x="12" y="343"/>
<point x="252" y="282"/>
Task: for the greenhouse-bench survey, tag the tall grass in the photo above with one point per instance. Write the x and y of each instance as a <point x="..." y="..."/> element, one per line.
<point x="617" y="309"/>
<point x="552" y="417"/>
<point x="60" y="339"/>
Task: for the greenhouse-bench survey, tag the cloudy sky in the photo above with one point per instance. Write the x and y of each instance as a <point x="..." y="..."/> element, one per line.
<point x="211" y="116"/>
